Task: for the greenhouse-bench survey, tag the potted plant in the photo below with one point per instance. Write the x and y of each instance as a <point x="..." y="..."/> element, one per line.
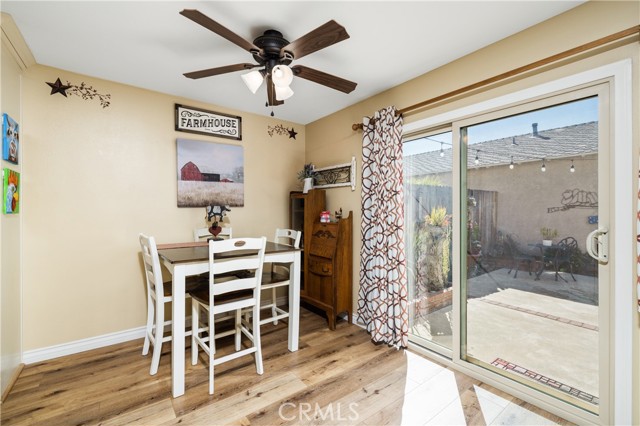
<point x="548" y="235"/>
<point x="306" y="175"/>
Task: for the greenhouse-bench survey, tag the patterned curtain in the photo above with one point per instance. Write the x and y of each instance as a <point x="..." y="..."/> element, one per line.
<point x="382" y="298"/>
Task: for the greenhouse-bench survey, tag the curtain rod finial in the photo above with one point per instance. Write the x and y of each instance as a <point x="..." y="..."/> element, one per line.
<point x="356" y="126"/>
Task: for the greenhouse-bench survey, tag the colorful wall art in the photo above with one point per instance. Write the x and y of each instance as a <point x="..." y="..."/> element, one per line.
<point x="10" y="139"/>
<point x="10" y="191"/>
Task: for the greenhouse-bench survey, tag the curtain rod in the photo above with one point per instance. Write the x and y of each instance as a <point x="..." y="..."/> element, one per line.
<point x="514" y="72"/>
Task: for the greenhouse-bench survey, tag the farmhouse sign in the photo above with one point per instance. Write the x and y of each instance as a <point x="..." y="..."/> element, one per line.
<point x="196" y="120"/>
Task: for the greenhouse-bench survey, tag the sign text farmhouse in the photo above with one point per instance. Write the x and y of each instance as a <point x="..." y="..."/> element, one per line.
<point x="196" y="120"/>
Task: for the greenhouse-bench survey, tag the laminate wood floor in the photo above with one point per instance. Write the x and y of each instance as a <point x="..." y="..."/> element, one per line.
<point x="337" y="377"/>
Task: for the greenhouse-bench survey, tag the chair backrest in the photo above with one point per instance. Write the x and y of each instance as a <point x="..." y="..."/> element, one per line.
<point x="200" y="234"/>
<point x="152" y="270"/>
<point x="566" y="248"/>
<point x="252" y="262"/>
<point x="290" y="236"/>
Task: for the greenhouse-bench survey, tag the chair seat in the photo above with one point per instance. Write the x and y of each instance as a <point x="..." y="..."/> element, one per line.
<point x="202" y="296"/>
<point x="190" y="286"/>
<point x="274" y="279"/>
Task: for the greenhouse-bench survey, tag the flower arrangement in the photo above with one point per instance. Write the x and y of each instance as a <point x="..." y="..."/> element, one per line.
<point x="308" y="171"/>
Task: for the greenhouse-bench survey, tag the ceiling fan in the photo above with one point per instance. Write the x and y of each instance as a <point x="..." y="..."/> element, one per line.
<point x="274" y="53"/>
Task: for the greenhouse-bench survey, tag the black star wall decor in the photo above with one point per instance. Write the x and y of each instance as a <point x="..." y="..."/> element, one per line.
<point x="58" y="87"/>
<point x="279" y="129"/>
<point x="84" y="91"/>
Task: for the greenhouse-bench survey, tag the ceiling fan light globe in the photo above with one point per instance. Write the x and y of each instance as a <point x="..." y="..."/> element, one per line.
<point x="283" y="93"/>
<point x="253" y="80"/>
<point x="282" y="76"/>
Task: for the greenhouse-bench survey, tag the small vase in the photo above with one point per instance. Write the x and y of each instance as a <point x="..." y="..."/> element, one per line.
<point x="308" y="184"/>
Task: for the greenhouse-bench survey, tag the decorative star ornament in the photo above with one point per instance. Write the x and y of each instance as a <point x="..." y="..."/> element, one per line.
<point x="292" y="133"/>
<point x="58" y="87"/>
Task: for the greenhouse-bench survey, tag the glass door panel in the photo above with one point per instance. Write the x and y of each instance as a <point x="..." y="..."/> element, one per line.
<point x="532" y="293"/>
<point x="428" y="239"/>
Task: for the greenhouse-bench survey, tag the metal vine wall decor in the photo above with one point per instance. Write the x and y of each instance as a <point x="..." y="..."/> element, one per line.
<point x="85" y="91"/>
<point x="576" y="198"/>
<point x="338" y="175"/>
<point x="279" y="129"/>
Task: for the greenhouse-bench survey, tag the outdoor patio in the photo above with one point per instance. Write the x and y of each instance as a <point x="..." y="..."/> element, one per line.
<point x="530" y="322"/>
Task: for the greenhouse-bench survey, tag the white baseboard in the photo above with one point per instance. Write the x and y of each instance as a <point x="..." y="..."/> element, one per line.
<point x="56" y="351"/>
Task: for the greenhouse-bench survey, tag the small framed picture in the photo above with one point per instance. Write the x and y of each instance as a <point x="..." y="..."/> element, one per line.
<point x="10" y="191"/>
<point x="10" y="139"/>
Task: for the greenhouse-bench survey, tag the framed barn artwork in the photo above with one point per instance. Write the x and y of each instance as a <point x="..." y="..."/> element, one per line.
<point x="210" y="174"/>
<point x="10" y="139"/>
<point x="10" y="191"/>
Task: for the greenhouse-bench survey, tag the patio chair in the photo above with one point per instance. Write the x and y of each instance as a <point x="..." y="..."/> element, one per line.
<point x="566" y="248"/>
<point x="518" y="255"/>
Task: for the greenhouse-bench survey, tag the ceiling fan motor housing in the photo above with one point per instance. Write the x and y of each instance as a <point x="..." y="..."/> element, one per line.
<point x="271" y="43"/>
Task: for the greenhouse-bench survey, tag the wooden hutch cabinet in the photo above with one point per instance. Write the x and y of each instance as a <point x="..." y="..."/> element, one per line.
<point x="328" y="280"/>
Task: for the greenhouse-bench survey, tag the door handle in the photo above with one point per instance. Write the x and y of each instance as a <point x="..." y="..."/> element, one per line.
<point x="598" y="244"/>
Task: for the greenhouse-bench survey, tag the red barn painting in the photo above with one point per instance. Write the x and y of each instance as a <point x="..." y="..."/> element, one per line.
<point x="190" y="172"/>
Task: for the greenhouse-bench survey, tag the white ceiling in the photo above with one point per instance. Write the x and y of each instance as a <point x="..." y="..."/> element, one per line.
<point x="149" y="44"/>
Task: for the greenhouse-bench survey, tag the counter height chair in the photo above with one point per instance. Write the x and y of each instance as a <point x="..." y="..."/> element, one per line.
<point x="278" y="275"/>
<point x="158" y="294"/>
<point x="228" y="296"/>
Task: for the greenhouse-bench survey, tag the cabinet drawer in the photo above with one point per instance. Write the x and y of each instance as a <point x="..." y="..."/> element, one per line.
<point x="320" y="266"/>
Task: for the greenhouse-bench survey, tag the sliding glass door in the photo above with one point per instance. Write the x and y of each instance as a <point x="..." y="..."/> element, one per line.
<point x="429" y="224"/>
<point x="500" y="209"/>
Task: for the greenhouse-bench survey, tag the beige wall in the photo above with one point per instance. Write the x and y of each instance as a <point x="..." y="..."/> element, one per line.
<point x="331" y="138"/>
<point x="96" y="177"/>
<point x="10" y="225"/>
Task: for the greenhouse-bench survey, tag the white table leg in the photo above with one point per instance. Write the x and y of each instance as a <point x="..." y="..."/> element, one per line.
<point x="177" y="331"/>
<point x="294" y="303"/>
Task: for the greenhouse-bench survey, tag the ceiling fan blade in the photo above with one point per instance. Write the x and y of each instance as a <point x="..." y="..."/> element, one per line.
<point x="219" y="70"/>
<point x="271" y="92"/>
<point x="323" y="36"/>
<point x="202" y="19"/>
<point x="323" y="78"/>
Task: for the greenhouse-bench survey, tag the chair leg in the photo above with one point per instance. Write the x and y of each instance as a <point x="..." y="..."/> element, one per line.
<point x="256" y="339"/>
<point x="212" y="343"/>
<point x="195" y="330"/>
<point x="159" y="336"/>
<point x="238" y="326"/>
<point x="571" y="272"/>
<point x="149" y="328"/>
<point x="273" y="305"/>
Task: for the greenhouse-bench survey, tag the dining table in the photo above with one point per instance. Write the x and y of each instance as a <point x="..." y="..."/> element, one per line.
<point x="192" y="258"/>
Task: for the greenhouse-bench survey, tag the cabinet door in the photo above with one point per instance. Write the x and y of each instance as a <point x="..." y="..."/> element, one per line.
<point x="320" y="285"/>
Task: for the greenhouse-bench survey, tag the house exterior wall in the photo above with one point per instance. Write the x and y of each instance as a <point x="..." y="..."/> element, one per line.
<point x="529" y="199"/>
